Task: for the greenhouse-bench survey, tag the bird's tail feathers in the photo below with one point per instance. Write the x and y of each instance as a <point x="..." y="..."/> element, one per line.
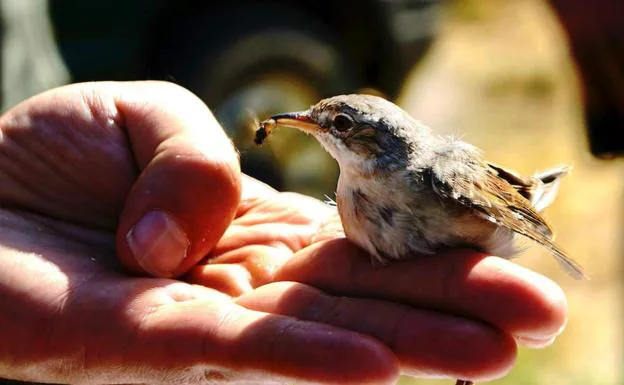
<point x="547" y="186"/>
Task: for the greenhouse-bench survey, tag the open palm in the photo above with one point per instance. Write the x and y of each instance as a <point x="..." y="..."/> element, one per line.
<point x="246" y="283"/>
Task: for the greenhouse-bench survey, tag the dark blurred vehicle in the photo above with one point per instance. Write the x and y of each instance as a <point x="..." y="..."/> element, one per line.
<point x="217" y="47"/>
<point x="264" y="56"/>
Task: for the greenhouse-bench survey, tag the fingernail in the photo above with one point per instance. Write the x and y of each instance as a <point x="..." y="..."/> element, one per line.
<point x="158" y="243"/>
<point x="536" y="343"/>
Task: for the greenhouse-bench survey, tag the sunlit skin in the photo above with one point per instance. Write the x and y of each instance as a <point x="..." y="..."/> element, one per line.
<point x="282" y="295"/>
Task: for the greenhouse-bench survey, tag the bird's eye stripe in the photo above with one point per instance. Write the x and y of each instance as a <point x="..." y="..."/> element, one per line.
<point x="364" y="131"/>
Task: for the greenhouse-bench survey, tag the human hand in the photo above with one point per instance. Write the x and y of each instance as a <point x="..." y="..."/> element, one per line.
<point x="457" y="315"/>
<point x="82" y="163"/>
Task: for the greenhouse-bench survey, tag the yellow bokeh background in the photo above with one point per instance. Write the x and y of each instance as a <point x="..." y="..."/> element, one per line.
<point x="501" y="77"/>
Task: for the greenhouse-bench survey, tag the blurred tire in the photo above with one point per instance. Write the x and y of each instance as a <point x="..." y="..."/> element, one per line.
<point x="265" y="58"/>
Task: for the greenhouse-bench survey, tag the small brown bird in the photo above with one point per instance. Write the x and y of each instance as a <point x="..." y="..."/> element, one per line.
<point x="405" y="191"/>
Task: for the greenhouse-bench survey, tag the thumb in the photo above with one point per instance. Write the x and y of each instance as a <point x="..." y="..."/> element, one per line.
<point x="189" y="184"/>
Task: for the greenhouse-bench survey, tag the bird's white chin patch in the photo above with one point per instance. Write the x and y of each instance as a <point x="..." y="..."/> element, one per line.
<point x="348" y="160"/>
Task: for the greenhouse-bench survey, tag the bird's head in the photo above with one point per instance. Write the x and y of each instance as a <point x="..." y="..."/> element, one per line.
<point x="364" y="133"/>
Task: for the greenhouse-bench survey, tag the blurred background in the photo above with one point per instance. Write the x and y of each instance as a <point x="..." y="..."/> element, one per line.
<point x="534" y="83"/>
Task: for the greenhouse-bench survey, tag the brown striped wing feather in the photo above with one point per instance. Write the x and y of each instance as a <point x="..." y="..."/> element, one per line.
<point x="496" y="195"/>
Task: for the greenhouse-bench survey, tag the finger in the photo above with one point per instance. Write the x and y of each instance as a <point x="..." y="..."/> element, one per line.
<point x="258" y="262"/>
<point x="64" y="154"/>
<point x="231" y="279"/>
<point x="426" y="343"/>
<point x="247" y="341"/>
<point x="329" y="229"/>
<point x="465" y="283"/>
<point x="189" y="186"/>
<point x="253" y="189"/>
<point x="190" y="335"/>
<point x="84" y="142"/>
<point x="535" y="343"/>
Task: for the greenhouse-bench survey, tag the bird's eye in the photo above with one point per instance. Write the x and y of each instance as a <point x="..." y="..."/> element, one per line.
<point x="343" y="123"/>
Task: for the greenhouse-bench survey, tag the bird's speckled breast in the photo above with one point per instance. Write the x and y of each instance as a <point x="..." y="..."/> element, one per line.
<point x="392" y="223"/>
<point x="373" y="215"/>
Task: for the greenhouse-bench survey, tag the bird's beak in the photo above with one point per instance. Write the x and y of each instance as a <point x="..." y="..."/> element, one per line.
<point x="300" y="120"/>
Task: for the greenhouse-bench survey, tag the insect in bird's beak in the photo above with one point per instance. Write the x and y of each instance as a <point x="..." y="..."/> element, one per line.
<point x="300" y="120"/>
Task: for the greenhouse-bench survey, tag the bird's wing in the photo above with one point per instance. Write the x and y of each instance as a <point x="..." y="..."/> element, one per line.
<point x="523" y="185"/>
<point x="540" y="189"/>
<point x="474" y="184"/>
